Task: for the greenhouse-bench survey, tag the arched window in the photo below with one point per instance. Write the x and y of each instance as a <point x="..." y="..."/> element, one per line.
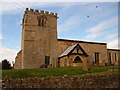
<point x="77" y="60"/>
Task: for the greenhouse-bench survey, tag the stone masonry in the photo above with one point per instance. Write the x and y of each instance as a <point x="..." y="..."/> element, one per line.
<point x="99" y="81"/>
<point x="39" y="39"/>
<point x="40" y="45"/>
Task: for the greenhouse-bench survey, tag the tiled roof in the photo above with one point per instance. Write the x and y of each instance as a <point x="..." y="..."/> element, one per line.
<point x="67" y="50"/>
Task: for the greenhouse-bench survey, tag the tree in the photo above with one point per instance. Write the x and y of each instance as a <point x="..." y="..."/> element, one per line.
<point x="6" y="64"/>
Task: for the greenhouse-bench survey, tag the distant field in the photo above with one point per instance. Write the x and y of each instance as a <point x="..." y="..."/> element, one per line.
<point x="58" y="71"/>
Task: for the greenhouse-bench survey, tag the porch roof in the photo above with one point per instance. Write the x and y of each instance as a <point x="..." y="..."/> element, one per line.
<point x="70" y="49"/>
<point x="67" y="51"/>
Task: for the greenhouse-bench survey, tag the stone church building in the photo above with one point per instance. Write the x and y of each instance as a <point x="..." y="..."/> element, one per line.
<point x="40" y="45"/>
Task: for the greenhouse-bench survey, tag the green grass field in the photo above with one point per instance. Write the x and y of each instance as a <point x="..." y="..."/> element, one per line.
<point x="58" y="71"/>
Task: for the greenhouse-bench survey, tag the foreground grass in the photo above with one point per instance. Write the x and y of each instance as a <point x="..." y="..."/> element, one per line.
<point x="58" y="71"/>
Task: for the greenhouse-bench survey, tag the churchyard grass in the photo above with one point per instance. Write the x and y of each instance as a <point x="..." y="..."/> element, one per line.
<point x="58" y="71"/>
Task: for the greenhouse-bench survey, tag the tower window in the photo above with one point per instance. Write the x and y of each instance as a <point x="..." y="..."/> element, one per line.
<point x="39" y="22"/>
<point x="42" y="21"/>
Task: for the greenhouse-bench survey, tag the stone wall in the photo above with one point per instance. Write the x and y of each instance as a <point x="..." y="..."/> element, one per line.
<point x="69" y="61"/>
<point x="18" y="60"/>
<point x="83" y="81"/>
<point x="39" y="39"/>
<point x="114" y="54"/>
<point x="89" y="47"/>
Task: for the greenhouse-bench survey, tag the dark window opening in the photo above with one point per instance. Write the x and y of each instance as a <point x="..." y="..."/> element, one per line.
<point x="115" y="57"/>
<point x="77" y="60"/>
<point x="109" y="58"/>
<point x="42" y="22"/>
<point x="96" y="57"/>
<point x="39" y="22"/>
<point x="47" y="60"/>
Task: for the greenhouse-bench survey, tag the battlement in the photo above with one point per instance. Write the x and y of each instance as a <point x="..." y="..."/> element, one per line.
<point x="41" y="12"/>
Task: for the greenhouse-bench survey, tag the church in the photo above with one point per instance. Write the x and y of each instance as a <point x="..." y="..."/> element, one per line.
<point x="41" y="47"/>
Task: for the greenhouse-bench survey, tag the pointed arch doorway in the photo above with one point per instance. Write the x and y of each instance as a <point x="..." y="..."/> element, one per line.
<point x="77" y="60"/>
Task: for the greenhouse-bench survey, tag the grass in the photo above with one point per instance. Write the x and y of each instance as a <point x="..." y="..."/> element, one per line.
<point x="58" y="71"/>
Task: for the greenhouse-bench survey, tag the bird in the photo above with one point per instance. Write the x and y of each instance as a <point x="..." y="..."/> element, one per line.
<point x="87" y="16"/>
<point x="96" y="6"/>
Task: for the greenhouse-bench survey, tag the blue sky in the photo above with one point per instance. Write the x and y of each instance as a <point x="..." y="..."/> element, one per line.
<point x="73" y="23"/>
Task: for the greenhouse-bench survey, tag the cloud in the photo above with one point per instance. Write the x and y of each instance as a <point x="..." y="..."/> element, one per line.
<point x="15" y="7"/>
<point x="113" y="44"/>
<point x="60" y="1"/>
<point x="111" y="36"/>
<point x="66" y="25"/>
<point x="7" y="53"/>
<point x="112" y="40"/>
<point x="19" y="22"/>
<point x="96" y="31"/>
<point x="1" y="37"/>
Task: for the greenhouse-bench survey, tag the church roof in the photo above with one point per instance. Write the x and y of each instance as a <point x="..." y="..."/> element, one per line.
<point x="114" y="49"/>
<point x="81" y="41"/>
<point x="69" y="49"/>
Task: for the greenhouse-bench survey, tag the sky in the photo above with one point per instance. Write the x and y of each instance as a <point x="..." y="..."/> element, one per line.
<point x="73" y="22"/>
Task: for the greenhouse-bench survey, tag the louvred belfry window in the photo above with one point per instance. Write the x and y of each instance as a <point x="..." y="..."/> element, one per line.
<point x="42" y="21"/>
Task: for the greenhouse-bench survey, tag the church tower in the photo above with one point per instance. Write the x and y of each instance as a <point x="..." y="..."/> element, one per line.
<point x="39" y="39"/>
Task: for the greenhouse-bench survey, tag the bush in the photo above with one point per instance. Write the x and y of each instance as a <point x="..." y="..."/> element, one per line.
<point x="6" y="64"/>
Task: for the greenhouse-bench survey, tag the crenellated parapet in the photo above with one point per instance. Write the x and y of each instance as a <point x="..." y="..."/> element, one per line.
<point x="39" y="12"/>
